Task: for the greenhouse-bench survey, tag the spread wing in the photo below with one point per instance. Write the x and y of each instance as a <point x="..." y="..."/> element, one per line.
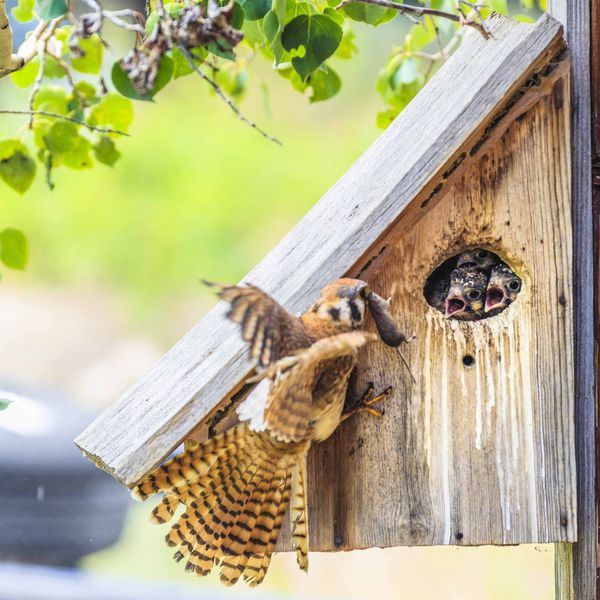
<point x="270" y="329"/>
<point x="285" y="408"/>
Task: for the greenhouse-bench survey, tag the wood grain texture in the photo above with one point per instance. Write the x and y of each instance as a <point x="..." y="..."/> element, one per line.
<point x="576" y="19"/>
<point x="157" y="413"/>
<point x="471" y="455"/>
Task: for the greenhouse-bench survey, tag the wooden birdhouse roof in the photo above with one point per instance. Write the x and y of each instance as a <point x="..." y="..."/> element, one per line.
<point x="466" y="104"/>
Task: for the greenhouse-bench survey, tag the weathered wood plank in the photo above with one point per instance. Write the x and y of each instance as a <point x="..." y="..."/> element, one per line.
<point x="576" y="19"/>
<point x="479" y="454"/>
<point x="152" y="418"/>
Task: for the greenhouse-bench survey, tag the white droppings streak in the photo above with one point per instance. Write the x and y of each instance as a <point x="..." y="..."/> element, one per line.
<point x="512" y="365"/>
<point x="479" y="350"/>
<point x="491" y="388"/>
<point x="445" y="442"/>
<point x="502" y="448"/>
<point x="525" y="364"/>
<point x="428" y="368"/>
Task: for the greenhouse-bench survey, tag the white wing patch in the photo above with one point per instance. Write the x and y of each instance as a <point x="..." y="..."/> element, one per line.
<point x="253" y="407"/>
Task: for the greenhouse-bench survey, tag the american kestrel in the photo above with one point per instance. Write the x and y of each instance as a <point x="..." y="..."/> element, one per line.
<point x="503" y="287"/>
<point x="466" y="294"/>
<point x="236" y="486"/>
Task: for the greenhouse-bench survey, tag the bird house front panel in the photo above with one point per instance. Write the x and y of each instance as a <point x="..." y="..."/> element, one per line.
<point x="479" y="449"/>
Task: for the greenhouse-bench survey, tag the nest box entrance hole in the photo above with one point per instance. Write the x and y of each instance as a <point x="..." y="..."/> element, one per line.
<point x="472" y="285"/>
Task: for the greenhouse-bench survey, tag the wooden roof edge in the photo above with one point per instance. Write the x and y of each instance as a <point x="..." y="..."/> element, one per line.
<point x="151" y="418"/>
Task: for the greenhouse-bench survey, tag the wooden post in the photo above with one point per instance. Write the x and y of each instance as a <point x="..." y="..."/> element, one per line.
<point x="595" y="66"/>
<point x="576" y="567"/>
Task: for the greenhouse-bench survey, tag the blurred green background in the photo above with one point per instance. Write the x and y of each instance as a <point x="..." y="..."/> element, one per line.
<point x="113" y="281"/>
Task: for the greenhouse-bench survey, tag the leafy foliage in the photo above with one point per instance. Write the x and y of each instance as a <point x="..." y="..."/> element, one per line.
<point x="77" y="121"/>
<point x="13" y="249"/>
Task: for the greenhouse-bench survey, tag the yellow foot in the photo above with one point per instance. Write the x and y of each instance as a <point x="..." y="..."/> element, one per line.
<point x="366" y="402"/>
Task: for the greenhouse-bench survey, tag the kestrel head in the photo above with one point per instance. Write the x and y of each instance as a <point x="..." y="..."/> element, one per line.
<point x="466" y="294"/>
<point x="343" y="303"/>
<point x="503" y="288"/>
<point x="477" y="258"/>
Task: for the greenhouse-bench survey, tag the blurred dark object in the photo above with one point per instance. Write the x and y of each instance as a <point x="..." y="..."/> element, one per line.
<point x="21" y="582"/>
<point x="56" y="506"/>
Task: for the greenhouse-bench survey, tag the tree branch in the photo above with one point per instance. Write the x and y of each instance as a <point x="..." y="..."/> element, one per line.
<point x="54" y="115"/>
<point x="29" y="48"/>
<point x="421" y="11"/>
<point x="8" y="60"/>
<point x="223" y="97"/>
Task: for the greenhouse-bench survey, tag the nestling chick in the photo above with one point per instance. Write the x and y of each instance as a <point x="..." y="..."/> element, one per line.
<point x="466" y="294"/>
<point x="503" y="287"/>
<point x="478" y="258"/>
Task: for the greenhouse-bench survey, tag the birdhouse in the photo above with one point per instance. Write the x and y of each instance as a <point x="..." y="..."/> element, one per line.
<point x="480" y="447"/>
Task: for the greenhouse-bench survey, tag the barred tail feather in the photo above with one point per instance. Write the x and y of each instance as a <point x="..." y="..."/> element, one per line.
<point x="187" y="467"/>
<point x="298" y="513"/>
<point x="234" y="549"/>
<point x="202" y="545"/>
<point x="236" y="488"/>
<point x="281" y="499"/>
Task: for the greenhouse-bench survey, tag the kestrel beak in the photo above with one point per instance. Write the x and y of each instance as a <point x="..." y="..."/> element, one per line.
<point x="494" y="298"/>
<point x="454" y="305"/>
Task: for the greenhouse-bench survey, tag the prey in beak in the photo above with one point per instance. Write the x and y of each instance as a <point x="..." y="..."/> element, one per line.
<point x="387" y="327"/>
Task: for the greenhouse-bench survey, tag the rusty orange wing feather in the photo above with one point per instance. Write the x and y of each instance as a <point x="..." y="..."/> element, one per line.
<point x="272" y="332"/>
<point x="290" y="407"/>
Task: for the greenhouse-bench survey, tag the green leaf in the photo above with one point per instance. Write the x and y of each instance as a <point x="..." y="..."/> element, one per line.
<point x="91" y="61"/>
<point x="334" y="15"/>
<point x="106" y="151"/>
<point x="13" y="249"/>
<point x="255" y="9"/>
<point x="347" y="48"/>
<point x="420" y="35"/>
<point x="51" y="9"/>
<point x="406" y="73"/>
<point x="112" y="111"/>
<point x="124" y="86"/>
<point x="499" y="6"/>
<point x="61" y="137"/>
<point x="273" y="26"/>
<point x="222" y="48"/>
<point x="5" y="403"/>
<point x="181" y="66"/>
<point x="369" y="13"/>
<point x="523" y="18"/>
<point x="87" y="90"/>
<point x="51" y="98"/>
<point x="23" y="12"/>
<point x="17" y="168"/>
<point x="9" y="147"/>
<point x="232" y="79"/>
<point x="325" y="84"/>
<point x="26" y="76"/>
<point x="52" y="70"/>
<point x="237" y="16"/>
<point x="318" y="35"/>
<point x="385" y="118"/>
<point x="67" y="146"/>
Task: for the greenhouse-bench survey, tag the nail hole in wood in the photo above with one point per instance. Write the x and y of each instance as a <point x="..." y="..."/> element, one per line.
<point x="468" y="361"/>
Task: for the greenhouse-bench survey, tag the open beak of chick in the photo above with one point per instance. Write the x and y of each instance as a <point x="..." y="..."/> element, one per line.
<point x="454" y="305"/>
<point x="494" y="298"/>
